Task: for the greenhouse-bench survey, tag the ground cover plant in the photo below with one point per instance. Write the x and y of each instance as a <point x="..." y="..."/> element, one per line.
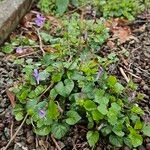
<point x="70" y="84"/>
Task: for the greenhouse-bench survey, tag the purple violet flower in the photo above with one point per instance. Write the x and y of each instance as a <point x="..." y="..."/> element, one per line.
<point x="36" y="75"/>
<point x="42" y="113"/>
<point x="39" y="20"/>
<point x="19" y="50"/>
<point x="100" y="72"/>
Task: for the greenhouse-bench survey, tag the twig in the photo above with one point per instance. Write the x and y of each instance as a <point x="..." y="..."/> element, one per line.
<point x="124" y="75"/>
<point x="13" y="137"/>
<point x="11" y="129"/>
<point x="40" y="41"/>
<point x="28" y="54"/>
<point x="55" y="142"/>
<point x="134" y="75"/>
<point x="46" y="90"/>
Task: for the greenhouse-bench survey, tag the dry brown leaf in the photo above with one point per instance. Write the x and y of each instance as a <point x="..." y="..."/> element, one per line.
<point x="111" y="23"/>
<point x="11" y="97"/>
<point x="123" y="33"/>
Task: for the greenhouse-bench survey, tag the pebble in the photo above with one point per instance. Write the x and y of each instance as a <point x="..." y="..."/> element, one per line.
<point x="30" y="137"/>
<point x="1" y="126"/>
<point x="148" y="146"/>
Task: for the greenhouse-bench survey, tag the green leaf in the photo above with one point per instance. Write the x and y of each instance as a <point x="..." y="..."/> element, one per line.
<point x="112" y="81"/>
<point x="8" y="48"/>
<point x="53" y="112"/>
<point x="117" y="129"/>
<point x="127" y="141"/>
<point x="43" y="75"/>
<point x="136" y="139"/>
<point x="59" y="130"/>
<point x="146" y="130"/>
<point x="19" y="116"/>
<point x="116" y="141"/>
<point x="92" y="137"/>
<point x="102" y="108"/>
<point x="69" y="85"/>
<point x="56" y="77"/>
<point x="73" y="117"/>
<point x="62" y="6"/>
<point x="18" y="112"/>
<point x="89" y="105"/>
<point x="136" y="109"/>
<point x="106" y="130"/>
<point x="43" y="131"/>
<point x="60" y="88"/>
<point x="30" y="106"/>
<point x="97" y="115"/>
<point x="138" y="125"/>
<point x="53" y="94"/>
<point x="118" y="88"/>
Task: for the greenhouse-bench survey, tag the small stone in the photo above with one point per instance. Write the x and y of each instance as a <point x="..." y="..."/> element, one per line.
<point x="1" y="126"/>
<point x="30" y="139"/>
<point x="126" y="148"/>
<point x="141" y="148"/>
<point x="148" y="146"/>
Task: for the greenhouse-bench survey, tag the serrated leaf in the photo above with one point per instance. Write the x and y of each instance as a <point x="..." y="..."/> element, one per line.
<point x="43" y="75"/>
<point x="116" y="141"/>
<point x="53" y="94"/>
<point x="89" y="105"/>
<point x="146" y="130"/>
<point x="59" y="130"/>
<point x="8" y="48"/>
<point x="92" y="137"/>
<point x="136" y="109"/>
<point x="97" y="115"/>
<point x="136" y="139"/>
<point x="112" y="81"/>
<point x="106" y="130"/>
<point x="69" y="85"/>
<point x="102" y="108"/>
<point x="62" y="6"/>
<point x="73" y="117"/>
<point x="117" y="129"/>
<point x="19" y="116"/>
<point x="60" y="89"/>
<point x="118" y="88"/>
<point x="138" y="125"/>
<point x="43" y="131"/>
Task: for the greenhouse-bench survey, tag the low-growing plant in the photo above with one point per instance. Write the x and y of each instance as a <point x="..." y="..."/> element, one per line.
<point x="109" y="8"/>
<point x="57" y="94"/>
<point x="124" y="8"/>
<point x="70" y="86"/>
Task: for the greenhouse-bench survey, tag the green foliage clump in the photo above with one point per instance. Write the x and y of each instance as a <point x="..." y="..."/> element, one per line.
<point x="71" y="86"/>
<point x="72" y="92"/>
<point x="124" y="8"/>
<point x="109" y="8"/>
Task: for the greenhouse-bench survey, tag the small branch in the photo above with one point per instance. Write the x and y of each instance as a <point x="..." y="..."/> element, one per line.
<point x="46" y="90"/>
<point x="124" y="75"/>
<point x="28" y="54"/>
<point x="55" y="142"/>
<point x="134" y="75"/>
<point x="13" y="137"/>
<point x="40" y="41"/>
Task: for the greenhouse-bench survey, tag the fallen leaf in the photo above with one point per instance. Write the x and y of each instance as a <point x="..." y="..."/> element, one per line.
<point x="123" y="33"/>
<point x="111" y="23"/>
<point x="11" y="97"/>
